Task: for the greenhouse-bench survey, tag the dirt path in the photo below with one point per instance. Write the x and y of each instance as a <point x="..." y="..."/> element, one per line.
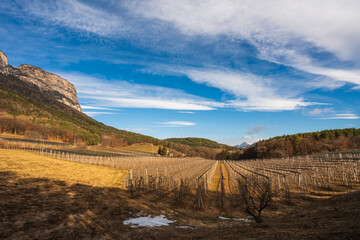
<point x="214" y="191"/>
<point x="215" y="181"/>
<point x="227" y="179"/>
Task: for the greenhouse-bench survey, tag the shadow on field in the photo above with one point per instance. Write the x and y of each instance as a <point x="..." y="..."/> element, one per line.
<point x="40" y="208"/>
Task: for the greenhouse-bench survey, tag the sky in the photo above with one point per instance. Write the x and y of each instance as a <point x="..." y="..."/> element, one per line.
<point x="231" y="71"/>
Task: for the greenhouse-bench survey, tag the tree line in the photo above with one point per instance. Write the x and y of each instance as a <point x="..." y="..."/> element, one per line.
<point x="300" y="144"/>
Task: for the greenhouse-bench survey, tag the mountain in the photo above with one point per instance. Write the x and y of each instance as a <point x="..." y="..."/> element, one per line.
<point x="41" y="105"/>
<point x="304" y="143"/>
<point x="242" y="145"/>
<point x="44" y="85"/>
<point x="198" y="142"/>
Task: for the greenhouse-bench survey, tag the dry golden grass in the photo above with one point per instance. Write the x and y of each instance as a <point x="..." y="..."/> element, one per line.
<point x="144" y="148"/>
<point x="11" y="135"/>
<point x="46" y="198"/>
<point x="31" y="165"/>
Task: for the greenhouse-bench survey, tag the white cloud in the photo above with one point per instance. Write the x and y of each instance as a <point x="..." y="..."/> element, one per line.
<point x="329" y="113"/>
<point x="320" y="111"/>
<point x="139" y="102"/>
<point x="251" y="92"/>
<point x="139" y="130"/>
<point x="94" y="108"/>
<point x="177" y="124"/>
<point x="186" y="112"/>
<point x="76" y="15"/>
<point x="91" y="114"/>
<point x="329" y="24"/>
<point x="103" y="94"/>
<point x="282" y="31"/>
<point x="343" y="116"/>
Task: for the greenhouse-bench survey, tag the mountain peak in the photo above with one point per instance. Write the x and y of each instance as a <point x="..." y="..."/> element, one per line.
<point x="242" y="145"/>
<point x="3" y="59"/>
<point x="50" y="85"/>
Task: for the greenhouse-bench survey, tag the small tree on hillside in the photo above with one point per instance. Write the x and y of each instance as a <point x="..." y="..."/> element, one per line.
<point x="162" y="151"/>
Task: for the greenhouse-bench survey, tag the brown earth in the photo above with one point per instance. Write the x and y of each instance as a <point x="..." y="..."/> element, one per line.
<point x="35" y="204"/>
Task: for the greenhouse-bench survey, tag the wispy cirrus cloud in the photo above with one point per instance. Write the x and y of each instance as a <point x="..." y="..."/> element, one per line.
<point x="104" y="94"/>
<point x="349" y="116"/>
<point x="91" y="114"/>
<point x="330" y="113"/>
<point x="247" y="91"/>
<point x="94" y="108"/>
<point x="176" y="124"/>
<point x="283" y="32"/>
<point x="276" y="23"/>
<point x="186" y="112"/>
<point x="74" y="14"/>
<point x="320" y="111"/>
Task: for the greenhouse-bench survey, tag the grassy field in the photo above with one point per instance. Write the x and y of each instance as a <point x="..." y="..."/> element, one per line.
<point x="144" y="148"/>
<point x="31" y="165"/>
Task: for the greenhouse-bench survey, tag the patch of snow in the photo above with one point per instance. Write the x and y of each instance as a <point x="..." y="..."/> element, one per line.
<point x="247" y="220"/>
<point x="148" y="221"/>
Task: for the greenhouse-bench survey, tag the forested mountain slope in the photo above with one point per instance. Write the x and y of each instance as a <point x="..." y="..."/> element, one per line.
<point x="304" y="143"/>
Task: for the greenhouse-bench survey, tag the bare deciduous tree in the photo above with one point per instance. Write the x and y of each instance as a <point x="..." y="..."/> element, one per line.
<point x="254" y="195"/>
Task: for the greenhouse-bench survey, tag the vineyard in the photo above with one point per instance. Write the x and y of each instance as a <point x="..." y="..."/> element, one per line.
<point x="250" y="185"/>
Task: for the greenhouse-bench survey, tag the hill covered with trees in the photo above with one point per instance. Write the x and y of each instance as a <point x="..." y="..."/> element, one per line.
<point x="199" y="142"/>
<point x="303" y="143"/>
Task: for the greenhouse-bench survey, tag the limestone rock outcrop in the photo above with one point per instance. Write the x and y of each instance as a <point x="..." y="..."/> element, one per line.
<point x="3" y="59"/>
<point x="49" y="84"/>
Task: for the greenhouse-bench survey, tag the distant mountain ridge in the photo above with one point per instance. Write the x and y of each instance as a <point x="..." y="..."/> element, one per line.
<point x="243" y="145"/>
<point x="199" y="142"/>
<point x="47" y="84"/>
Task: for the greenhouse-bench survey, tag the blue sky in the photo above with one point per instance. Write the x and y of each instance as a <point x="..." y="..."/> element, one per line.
<point x="231" y="71"/>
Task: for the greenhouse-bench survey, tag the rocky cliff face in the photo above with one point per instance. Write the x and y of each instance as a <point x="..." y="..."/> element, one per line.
<point x="47" y="83"/>
<point x="3" y="59"/>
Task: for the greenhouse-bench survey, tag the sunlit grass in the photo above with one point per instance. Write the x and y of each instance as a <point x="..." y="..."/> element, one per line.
<point x="31" y="165"/>
<point x="145" y="148"/>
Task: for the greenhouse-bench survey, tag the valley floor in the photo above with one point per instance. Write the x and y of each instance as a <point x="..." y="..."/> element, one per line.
<point x="45" y="198"/>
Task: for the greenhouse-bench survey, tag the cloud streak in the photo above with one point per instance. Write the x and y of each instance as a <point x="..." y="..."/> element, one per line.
<point x="320" y="111"/>
<point x="103" y="94"/>
<point x="94" y="108"/>
<point x="177" y="124"/>
<point x="282" y="31"/>
<point x="345" y="116"/>
<point x="251" y="92"/>
<point x="91" y="114"/>
<point x="76" y="15"/>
